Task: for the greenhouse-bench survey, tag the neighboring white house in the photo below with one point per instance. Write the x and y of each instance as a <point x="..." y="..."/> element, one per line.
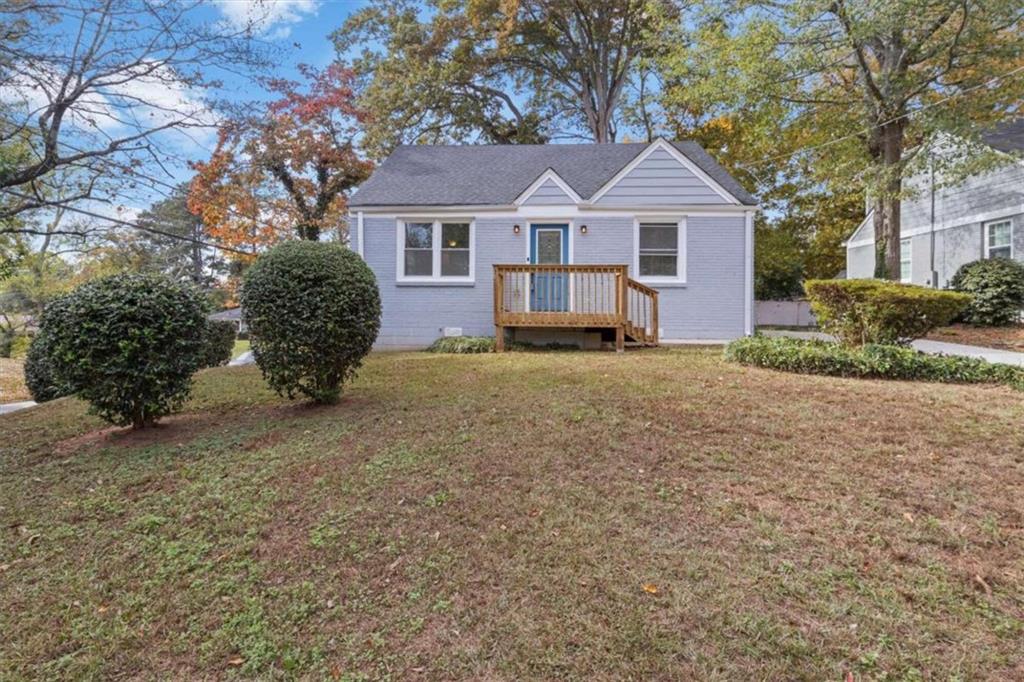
<point x="630" y="242"/>
<point x="981" y="217"/>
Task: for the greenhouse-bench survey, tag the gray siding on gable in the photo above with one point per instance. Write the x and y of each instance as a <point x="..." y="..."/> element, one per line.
<point x="709" y="306"/>
<point x="982" y="193"/>
<point x="548" y="194"/>
<point x="954" y="246"/>
<point x="860" y="262"/>
<point x="660" y="180"/>
<point x="998" y="194"/>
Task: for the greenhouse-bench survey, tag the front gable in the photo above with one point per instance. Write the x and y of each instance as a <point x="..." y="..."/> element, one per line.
<point x="548" y="190"/>
<point x="662" y="176"/>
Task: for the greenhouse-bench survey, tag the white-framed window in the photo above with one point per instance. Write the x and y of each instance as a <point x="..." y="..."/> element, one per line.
<point x="906" y="273"/>
<point x="999" y="239"/>
<point x="660" y="249"/>
<point x="438" y="250"/>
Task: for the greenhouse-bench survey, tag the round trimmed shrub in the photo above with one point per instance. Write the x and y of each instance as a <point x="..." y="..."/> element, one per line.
<point x="127" y="344"/>
<point x="313" y="311"/>
<point x="39" y="377"/>
<point x="218" y="343"/>
<point x="996" y="286"/>
<point x="865" y="311"/>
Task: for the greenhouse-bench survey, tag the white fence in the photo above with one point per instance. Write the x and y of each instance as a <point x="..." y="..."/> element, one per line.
<point x="784" y="314"/>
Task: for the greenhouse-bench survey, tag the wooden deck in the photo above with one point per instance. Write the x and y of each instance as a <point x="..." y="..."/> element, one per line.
<point x="575" y="297"/>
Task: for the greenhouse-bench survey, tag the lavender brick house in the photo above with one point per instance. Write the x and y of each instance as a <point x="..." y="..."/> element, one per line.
<point x="642" y="243"/>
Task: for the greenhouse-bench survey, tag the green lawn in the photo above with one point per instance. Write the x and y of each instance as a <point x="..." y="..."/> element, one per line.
<point x="651" y="515"/>
<point x="241" y="346"/>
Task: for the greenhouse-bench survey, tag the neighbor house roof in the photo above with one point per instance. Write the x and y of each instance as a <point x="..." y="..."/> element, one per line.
<point x="229" y="315"/>
<point x="1008" y="136"/>
<point x="470" y="175"/>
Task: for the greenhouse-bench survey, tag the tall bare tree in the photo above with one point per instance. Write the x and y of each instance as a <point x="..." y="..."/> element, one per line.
<point x="107" y="88"/>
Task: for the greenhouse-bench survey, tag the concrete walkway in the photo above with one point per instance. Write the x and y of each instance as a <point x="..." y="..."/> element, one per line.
<point x="14" y="407"/>
<point x="933" y="347"/>
<point x="245" y="358"/>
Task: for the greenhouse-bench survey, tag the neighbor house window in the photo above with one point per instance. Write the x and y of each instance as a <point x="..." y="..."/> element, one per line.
<point x="999" y="239"/>
<point x="905" y="271"/>
<point x="661" y="250"/>
<point x="435" y="250"/>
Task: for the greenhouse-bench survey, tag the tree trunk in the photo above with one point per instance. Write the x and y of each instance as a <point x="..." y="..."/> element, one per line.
<point x="138" y="418"/>
<point x="887" y="204"/>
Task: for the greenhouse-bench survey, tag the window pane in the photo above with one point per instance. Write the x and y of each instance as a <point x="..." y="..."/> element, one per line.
<point x="418" y="262"/>
<point x="657" y="266"/>
<point x="418" y="235"/>
<point x="905" y="260"/>
<point x="455" y="235"/>
<point x="1000" y="252"/>
<point x="455" y="263"/>
<point x="999" y="234"/>
<point x="549" y="246"/>
<point x="658" y="236"/>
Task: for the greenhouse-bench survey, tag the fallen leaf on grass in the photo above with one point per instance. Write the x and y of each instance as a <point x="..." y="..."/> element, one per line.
<point x="908" y="516"/>
<point x="237" y="660"/>
<point x="981" y="581"/>
<point x="650" y="589"/>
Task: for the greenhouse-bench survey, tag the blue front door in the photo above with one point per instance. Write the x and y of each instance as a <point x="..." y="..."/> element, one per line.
<point x="549" y="245"/>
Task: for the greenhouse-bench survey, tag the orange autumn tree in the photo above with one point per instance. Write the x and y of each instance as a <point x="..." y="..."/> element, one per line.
<point x="283" y="169"/>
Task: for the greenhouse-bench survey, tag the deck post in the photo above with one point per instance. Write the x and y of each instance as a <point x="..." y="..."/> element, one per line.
<point x="499" y="339"/>
<point x="654" y="317"/>
<point x="620" y="338"/>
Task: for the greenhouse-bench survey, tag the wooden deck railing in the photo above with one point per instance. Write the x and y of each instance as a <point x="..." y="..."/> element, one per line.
<point x="575" y="296"/>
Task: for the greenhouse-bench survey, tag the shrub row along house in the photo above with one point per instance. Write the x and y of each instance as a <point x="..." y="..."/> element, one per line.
<point x="626" y="242"/>
<point x="943" y="228"/>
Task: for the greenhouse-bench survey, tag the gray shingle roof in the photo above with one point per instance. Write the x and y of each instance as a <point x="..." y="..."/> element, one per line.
<point x="1008" y="136"/>
<point x="425" y="175"/>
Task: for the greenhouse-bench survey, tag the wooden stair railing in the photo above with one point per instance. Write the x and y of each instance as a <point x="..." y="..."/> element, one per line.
<point x="575" y="296"/>
<point x="642" y="313"/>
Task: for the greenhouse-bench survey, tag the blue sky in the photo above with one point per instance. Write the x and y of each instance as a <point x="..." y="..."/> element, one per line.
<point x="300" y="28"/>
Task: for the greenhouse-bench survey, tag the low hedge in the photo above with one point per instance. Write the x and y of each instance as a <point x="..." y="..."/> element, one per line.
<point x="869" y="361"/>
<point x="871" y="311"/>
<point x="462" y="344"/>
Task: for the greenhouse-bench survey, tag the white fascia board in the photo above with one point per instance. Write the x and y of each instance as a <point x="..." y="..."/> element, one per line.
<point x="567" y="211"/>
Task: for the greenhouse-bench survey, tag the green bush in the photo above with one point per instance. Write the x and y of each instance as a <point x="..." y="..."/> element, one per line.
<point x="39" y="377"/>
<point x="218" y="343"/>
<point x="871" y="311"/>
<point x="462" y="344"/>
<point x="870" y="361"/>
<point x="313" y="311"/>
<point x="20" y="344"/>
<point x="996" y="286"/>
<point x="127" y="344"/>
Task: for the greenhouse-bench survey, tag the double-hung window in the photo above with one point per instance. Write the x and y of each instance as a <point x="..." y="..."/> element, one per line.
<point x="905" y="262"/>
<point x="661" y="250"/>
<point x="435" y="250"/>
<point x="999" y="239"/>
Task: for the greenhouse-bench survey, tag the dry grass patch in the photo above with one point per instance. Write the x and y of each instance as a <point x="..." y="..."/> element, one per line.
<point x="655" y="515"/>
<point x="12" y="381"/>
<point x="1003" y="338"/>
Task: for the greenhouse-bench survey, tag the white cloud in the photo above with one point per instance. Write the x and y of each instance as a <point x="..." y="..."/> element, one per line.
<point x="263" y="15"/>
